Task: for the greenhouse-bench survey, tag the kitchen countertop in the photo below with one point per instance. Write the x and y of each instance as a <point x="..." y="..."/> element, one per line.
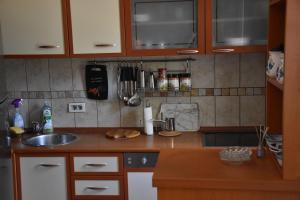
<point x="202" y="169"/>
<point x="183" y="161"/>
<point x="94" y="140"/>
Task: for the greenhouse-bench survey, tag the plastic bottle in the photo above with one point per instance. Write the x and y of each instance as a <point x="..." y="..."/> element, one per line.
<point x="47" y="118"/>
<point x="18" y="120"/>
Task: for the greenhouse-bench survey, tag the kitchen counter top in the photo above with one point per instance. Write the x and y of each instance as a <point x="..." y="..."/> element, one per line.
<point x="202" y="168"/>
<point x="94" y="140"/>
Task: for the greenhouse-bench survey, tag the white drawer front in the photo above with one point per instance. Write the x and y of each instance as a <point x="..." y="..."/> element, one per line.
<point x="97" y="187"/>
<point x="96" y="164"/>
<point x="43" y="178"/>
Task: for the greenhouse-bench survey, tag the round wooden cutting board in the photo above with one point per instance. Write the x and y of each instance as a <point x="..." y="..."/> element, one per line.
<point x="169" y="133"/>
<point x="122" y="134"/>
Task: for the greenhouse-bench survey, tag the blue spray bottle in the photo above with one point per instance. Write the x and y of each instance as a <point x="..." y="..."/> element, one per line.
<point x="18" y="120"/>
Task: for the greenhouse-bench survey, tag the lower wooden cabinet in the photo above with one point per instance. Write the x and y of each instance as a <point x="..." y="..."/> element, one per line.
<point x="97" y="176"/>
<point x="42" y="177"/>
<point x="69" y="176"/>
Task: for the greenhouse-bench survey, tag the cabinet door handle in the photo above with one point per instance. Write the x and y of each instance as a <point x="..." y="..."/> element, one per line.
<point x="49" y="165"/>
<point x="105" y="45"/>
<point x="187" y="52"/>
<point x="223" y="50"/>
<point x="3" y="167"/>
<point x="96" y="164"/>
<point x="49" y="46"/>
<point x="96" y="188"/>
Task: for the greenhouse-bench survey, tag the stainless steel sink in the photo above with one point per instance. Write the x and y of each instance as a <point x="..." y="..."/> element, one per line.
<point x="48" y="140"/>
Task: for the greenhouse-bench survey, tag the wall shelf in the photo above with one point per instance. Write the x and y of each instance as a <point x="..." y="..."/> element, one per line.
<point x="275" y="83"/>
<point x="275" y="2"/>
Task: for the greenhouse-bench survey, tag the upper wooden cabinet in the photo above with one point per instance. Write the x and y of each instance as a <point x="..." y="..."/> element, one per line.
<point x="236" y="25"/>
<point x="96" y="27"/>
<point x="33" y="27"/>
<point x="169" y="27"/>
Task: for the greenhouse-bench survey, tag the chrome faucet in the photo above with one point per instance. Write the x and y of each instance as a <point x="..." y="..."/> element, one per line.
<point x="37" y="128"/>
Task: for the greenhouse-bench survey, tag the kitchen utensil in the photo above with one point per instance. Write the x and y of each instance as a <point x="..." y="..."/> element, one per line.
<point x="142" y="79"/>
<point x="170" y="124"/>
<point x="135" y="100"/>
<point x="96" y="82"/>
<point x="151" y="81"/>
<point x="122" y="134"/>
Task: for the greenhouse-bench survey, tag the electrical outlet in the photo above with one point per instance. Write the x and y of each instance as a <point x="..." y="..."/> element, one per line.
<point x="76" y="107"/>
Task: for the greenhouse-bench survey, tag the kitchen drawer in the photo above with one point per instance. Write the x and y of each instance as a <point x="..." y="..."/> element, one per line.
<point x="97" y="187"/>
<point x="99" y="164"/>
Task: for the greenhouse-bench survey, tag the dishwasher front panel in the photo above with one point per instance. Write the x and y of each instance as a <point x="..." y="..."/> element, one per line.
<point x="140" y="186"/>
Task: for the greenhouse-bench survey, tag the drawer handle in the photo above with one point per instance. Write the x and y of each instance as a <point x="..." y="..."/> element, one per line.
<point x="96" y="164"/>
<point x="3" y="167"/>
<point x="97" y="188"/>
<point x="49" y="46"/>
<point x="187" y="52"/>
<point x="105" y="45"/>
<point x="49" y="165"/>
<point x="223" y="50"/>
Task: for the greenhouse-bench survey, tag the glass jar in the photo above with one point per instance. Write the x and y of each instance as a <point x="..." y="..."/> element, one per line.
<point x="173" y="82"/>
<point x="185" y="82"/>
<point x="162" y="73"/>
<point x="162" y="84"/>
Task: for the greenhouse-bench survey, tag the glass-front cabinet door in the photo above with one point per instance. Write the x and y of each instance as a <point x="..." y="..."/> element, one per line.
<point x="236" y="25"/>
<point x="164" y="27"/>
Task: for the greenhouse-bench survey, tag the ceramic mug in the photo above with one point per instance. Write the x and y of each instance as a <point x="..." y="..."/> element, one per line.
<point x="274" y="62"/>
<point x="280" y="73"/>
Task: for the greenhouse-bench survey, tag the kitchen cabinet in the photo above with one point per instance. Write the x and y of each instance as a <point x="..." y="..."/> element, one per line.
<point x="236" y="25"/>
<point x="43" y="177"/>
<point x="96" y="27"/>
<point x="97" y="176"/>
<point x="283" y="110"/>
<point x="34" y="27"/>
<point x="169" y="27"/>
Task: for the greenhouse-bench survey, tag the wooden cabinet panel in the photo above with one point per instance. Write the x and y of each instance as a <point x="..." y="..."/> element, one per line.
<point x="96" y="26"/>
<point x="96" y="164"/>
<point x="156" y="27"/>
<point x="236" y="26"/>
<point x="97" y="187"/>
<point x="33" y="27"/>
<point x="43" y="178"/>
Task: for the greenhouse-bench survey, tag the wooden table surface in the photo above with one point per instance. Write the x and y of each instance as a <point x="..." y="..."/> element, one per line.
<point x="202" y="168"/>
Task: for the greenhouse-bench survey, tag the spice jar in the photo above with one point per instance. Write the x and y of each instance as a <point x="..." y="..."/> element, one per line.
<point x="173" y="82"/>
<point x="185" y="82"/>
<point x="162" y="73"/>
<point x="162" y="84"/>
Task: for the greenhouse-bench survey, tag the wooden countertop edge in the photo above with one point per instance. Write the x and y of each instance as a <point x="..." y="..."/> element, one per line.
<point x="48" y="150"/>
<point x="282" y="185"/>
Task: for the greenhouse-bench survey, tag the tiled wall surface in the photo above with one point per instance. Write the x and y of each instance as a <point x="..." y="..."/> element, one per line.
<point x="229" y="89"/>
<point x="3" y="110"/>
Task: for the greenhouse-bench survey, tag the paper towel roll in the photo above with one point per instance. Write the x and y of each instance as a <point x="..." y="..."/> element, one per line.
<point x="148" y="121"/>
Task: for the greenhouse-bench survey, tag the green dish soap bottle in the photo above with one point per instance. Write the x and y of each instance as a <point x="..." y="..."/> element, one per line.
<point x="47" y="118"/>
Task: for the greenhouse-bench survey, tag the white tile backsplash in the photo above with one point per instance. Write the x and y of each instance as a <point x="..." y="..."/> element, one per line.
<point x="88" y="118"/>
<point x="38" y="75"/>
<point x="15" y="75"/>
<point x="226" y="70"/>
<point x="61" y="80"/>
